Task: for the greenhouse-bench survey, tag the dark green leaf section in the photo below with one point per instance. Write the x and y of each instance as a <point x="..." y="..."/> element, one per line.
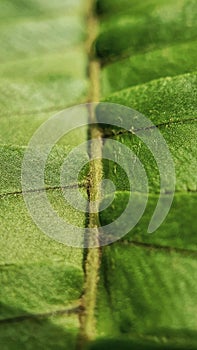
<point x="114" y="7"/>
<point x="176" y="119"/>
<point x="147" y="285"/>
<point x="55" y="332"/>
<point x="173" y="232"/>
<point x="141" y="68"/>
<point x="138" y="342"/>
<point x="148" y="294"/>
<point x="127" y="35"/>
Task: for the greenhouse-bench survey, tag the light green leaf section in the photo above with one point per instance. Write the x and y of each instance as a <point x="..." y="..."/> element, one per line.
<point x="37" y="273"/>
<point x="11" y="158"/>
<point x="43" y="83"/>
<point x="42" y="71"/>
<point x="43" y="60"/>
<point x="36" y="97"/>
<point x="33" y="36"/>
<point x="172" y="99"/>
<point x="20" y="8"/>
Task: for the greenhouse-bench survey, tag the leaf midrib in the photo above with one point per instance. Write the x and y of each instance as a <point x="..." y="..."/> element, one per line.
<point x="93" y="257"/>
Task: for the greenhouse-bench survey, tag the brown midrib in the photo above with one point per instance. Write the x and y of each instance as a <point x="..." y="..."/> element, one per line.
<point x="92" y="255"/>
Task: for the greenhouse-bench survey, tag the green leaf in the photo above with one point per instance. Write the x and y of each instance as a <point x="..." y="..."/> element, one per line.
<point x="31" y="85"/>
<point x="20" y="8"/>
<point x="111" y="7"/>
<point x="139" y="292"/>
<point x="178" y="126"/>
<point x="128" y="34"/>
<point x="162" y="100"/>
<point x="42" y="70"/>
<point x="141" y="68"/>
<point x="156" y="271"/>
<point x="149" y="296"/>
<point x="56" y="332"/>
<point x="147" y="292"/>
